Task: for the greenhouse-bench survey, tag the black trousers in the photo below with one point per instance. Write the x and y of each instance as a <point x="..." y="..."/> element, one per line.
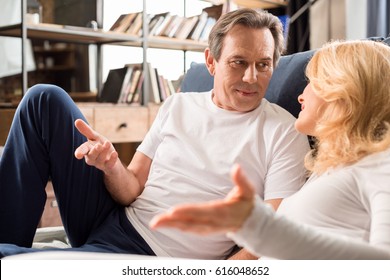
<point x="41" y="145"/>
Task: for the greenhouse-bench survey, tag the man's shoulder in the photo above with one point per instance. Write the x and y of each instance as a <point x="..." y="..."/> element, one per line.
<point x="273" y="110"/>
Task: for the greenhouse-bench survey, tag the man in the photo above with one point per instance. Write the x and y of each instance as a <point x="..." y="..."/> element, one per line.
<point x="185" y="157"/>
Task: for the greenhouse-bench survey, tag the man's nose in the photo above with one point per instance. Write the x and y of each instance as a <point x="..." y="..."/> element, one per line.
<point x="250" y="75"/>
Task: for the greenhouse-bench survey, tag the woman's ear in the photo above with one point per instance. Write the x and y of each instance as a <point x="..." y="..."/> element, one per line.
<point x="210" y="61"/>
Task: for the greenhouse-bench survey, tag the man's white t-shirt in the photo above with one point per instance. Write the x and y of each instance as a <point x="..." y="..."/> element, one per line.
<point x="193" y="145"/>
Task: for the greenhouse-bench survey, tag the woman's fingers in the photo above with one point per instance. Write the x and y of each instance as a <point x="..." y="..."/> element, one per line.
<point x="214" y="216"/>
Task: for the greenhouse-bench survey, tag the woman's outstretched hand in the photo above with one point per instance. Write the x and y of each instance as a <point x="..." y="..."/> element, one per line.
<point x="215" y="216"/>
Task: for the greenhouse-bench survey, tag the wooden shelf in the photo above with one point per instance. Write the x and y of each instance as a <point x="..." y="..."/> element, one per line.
<point x="261" y="4"/>
<point x="71" y="34"/>
<point x="84" y="35"/>
<point x="176" y="44"/>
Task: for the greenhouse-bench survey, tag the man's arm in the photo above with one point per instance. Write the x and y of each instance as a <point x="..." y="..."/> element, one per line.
<point x="124" y="184"/>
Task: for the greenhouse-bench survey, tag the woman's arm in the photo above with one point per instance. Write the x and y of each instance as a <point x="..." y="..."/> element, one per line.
<point x="273" y="235"/>
<point x="255" y="226"/>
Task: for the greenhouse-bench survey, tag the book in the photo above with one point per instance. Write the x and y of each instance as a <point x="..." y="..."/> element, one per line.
<point x="133" y="85"/>
<point x="154" y="94"/>
<point x="214" y="11"/>
<point x="124" y="23"/>
<point x="136" y="25"/>
<point x="173" y="26"/>
<point x="113" y="85"/>
<point x="161" y="87"/>
<point x="171" y="87"/>
<point x="180" y="24"/>
<point x="152" y="22"/>
<point x="207" y="28"/>
<point x="200" y="25"/>
<point x="117" y="22"/>
<point x="167" y="89"/>
<point x="156" y="21"/>
<point x="163" y="25"/>
<point x="185" y="29"/>
<point x="125" y="85"/>
<point x="208" y="17"/>
<point x="137" y="97"/>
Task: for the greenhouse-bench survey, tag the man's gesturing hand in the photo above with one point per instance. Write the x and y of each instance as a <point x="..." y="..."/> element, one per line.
<point x="97" y="151"/>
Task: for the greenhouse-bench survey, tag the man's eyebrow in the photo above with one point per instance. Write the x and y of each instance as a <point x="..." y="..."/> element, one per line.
<point x="236" y="57"/>
<point x="244" y="58"/>
<point x="265" y="58"/>
<point x="240" y="57"/>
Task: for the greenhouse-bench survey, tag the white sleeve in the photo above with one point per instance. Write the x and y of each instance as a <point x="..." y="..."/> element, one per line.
<point x="266" y="233"/>
<point x="153" y="138"/>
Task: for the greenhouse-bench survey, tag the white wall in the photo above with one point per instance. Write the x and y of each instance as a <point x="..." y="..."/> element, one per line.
<point x="337" y="19"/>
<point x="11" y="48"/>
<point x="356" y="18"/>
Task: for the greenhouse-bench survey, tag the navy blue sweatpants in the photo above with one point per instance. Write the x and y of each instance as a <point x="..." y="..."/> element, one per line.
<point x="41" y="145"/>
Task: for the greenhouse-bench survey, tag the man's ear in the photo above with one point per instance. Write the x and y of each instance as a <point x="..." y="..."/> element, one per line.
<point x="210" y="61"/>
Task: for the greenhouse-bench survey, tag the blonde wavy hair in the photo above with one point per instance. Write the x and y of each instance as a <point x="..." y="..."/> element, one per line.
<point x="353" y="78"/>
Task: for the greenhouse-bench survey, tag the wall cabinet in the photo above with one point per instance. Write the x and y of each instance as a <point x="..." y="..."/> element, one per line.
<point x="6" y="116"/>
<point x="119" y="123"/>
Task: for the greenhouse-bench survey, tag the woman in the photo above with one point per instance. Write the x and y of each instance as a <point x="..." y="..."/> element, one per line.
<point x="343" y="210"/>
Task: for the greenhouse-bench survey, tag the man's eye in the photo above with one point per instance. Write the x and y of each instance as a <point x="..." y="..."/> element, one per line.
<point x="263" y="67"/>
<point x="237" y="63"/>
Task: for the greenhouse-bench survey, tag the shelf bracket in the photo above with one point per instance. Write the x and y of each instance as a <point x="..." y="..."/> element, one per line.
<point x="24" y="42"/>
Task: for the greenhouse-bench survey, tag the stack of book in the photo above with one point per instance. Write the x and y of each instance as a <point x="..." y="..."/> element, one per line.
<point x="168" y="25"/>
<point x="125" y="85"/>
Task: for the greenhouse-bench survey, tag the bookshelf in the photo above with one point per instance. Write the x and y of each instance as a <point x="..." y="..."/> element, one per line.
<point x="89" y="36"/>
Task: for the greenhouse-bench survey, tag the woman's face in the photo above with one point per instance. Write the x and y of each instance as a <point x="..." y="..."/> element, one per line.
<point x="311" y="110"/>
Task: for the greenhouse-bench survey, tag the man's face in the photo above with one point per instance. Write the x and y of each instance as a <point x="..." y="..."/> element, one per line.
<point x="242" y="74"/>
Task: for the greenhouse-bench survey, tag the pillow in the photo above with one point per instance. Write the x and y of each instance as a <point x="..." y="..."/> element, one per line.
<point x="288" y="81"/>
<point x="197" y="79"/>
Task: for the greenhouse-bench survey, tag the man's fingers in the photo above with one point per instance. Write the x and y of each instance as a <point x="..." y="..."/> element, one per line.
<point x="85" y="130"/>
<point x="82" y="150"/>
<point x="106" y="155"/>
<point x="102" y="156"/>
<point x="112" y="160"/>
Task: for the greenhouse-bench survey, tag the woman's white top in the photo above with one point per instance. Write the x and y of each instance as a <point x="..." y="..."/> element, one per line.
<point x="343" y="214"/>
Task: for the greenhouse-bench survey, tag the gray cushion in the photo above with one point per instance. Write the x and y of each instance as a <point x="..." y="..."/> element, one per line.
<point x="197" y="79"/>
<point x="288" y="81"/>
